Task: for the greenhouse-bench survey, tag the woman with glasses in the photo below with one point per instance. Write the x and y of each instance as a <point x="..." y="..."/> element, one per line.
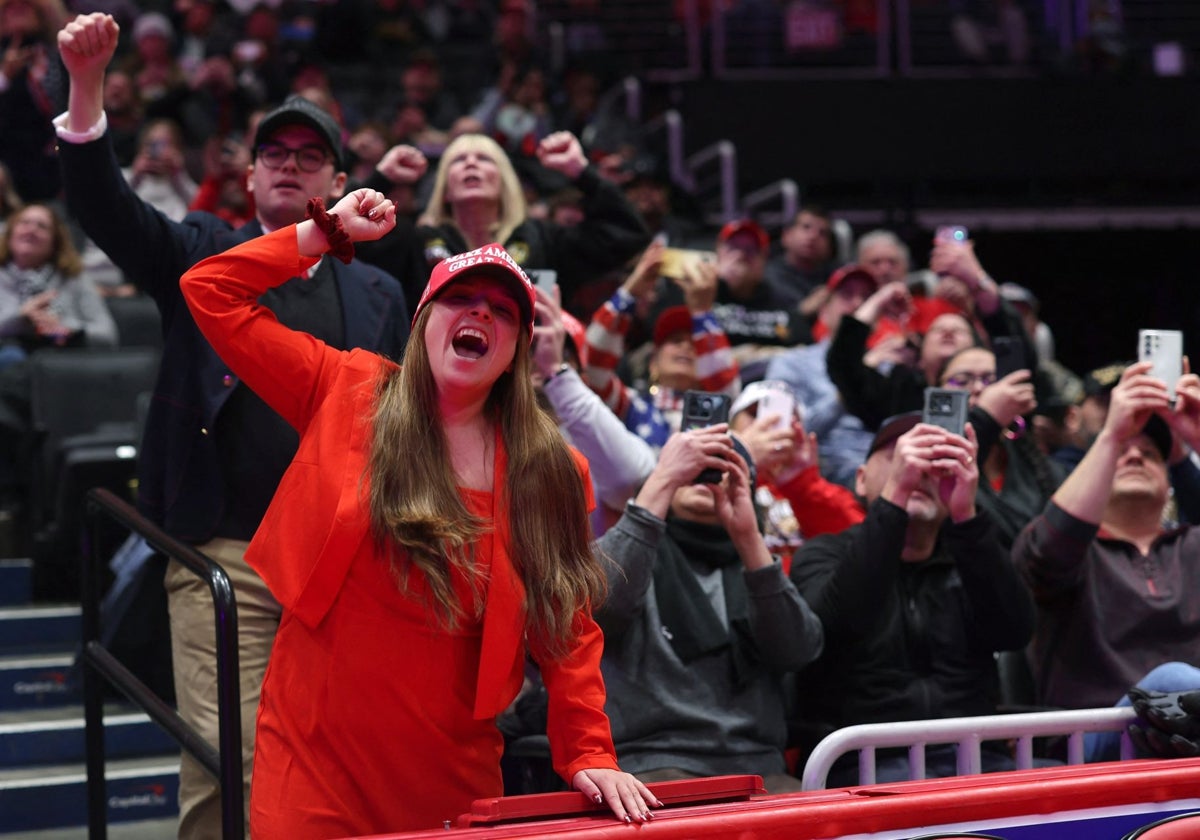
<point x="1015" y="477"/>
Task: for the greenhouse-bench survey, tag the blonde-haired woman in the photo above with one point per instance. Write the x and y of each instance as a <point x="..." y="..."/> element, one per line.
<point x="478" y="198"/>
<point x="432" y="527"/>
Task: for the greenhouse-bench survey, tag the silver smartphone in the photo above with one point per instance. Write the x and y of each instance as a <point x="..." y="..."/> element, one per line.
<point x="544" y="278"/>
<point x="781" y="403"/>
<point x="1165" y="349"/>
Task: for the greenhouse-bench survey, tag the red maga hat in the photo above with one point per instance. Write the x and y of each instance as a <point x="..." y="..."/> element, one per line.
<point x="490" y="260"/>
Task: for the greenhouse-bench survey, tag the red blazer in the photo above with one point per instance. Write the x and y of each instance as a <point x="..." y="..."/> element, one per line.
<point x="318" y="521"/>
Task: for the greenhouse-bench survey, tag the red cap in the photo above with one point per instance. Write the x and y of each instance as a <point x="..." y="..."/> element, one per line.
<point x="927" y="310"/>
<point x="578" y="336"/>
<point x="750" y="226"/>
<point x="851" y="271"/>
<point x="671" y="320"/>
<point x="491" y="260"/>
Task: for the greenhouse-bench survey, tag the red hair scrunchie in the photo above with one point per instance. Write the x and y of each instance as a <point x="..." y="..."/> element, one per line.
<point x="340" y="245"/>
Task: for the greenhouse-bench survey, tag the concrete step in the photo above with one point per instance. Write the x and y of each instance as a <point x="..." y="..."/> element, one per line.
<point x="37" y="682"/>
<point x="40" y="629"/>
<point x="56" y="736"/>
<point x="16" y="581"/>
<point x="56" y="796"/>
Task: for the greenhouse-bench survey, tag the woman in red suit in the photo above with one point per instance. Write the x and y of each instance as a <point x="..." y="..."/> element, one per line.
<point x="431" y="529"/>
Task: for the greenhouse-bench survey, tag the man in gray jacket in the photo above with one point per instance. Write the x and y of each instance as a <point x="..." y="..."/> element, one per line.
<point x="701" y="624"/>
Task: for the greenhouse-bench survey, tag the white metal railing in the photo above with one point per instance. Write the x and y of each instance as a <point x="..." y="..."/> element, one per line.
<point x="967" y="733"/>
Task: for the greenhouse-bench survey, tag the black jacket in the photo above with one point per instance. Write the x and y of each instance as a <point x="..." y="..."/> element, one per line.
<point x="180" y="482"/>
<point x="908" y="641"/>
<point x="612" y="232"/>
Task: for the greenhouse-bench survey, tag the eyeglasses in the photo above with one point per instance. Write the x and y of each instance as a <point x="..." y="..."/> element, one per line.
<point x="966" y="379"/>
<point x="308" y="158"/>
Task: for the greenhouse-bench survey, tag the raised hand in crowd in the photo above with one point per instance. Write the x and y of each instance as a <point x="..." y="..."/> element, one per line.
<point x="640" y="282"/>
<point x="562" y="152"/>
<point x="698" y="279"/>
<point x="365" y="214"/>
<point x="892" y="300"/>
<point x="938" y="463"/>
<point x="86" y="45"/>
<point x="772" y="444"/>
<point x="684" y="456"/>
<point x="403" y="164"/>
<point x="1136" y="396"/>
<point x="549" y="333"/>
<point x="893" y="349"/>
<point x="963" y="279"/>
<point x="1184" y="417"/>
<point x="1010" y="397"/>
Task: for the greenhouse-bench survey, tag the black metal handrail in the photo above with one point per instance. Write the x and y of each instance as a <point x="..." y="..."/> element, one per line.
<point x="225" y="764"/>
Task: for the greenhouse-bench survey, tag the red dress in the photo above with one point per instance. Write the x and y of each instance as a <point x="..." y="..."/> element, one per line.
<point x="374" y="717"/>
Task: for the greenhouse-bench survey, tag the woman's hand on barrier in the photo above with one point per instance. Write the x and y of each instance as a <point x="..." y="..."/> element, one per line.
<point x="628" y="799"/>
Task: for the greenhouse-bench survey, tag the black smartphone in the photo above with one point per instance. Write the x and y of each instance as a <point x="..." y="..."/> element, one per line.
<point x="1010" y="355"/>
<point x="700" y="409"/>
<point x="947" y="408"/>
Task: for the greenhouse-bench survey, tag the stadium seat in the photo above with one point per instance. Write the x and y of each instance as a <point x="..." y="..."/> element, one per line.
<point x="84" y="412"/>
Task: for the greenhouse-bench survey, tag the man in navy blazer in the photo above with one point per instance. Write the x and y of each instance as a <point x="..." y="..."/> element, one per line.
<point x="213" y="452"/>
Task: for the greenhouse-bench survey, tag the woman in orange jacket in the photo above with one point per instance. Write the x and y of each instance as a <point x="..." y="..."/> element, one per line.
<point x="430" y="531"/>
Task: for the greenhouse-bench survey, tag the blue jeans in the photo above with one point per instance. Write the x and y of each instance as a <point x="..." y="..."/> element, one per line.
<point x="1168" y="677"/>
<point x="10" y="354"/>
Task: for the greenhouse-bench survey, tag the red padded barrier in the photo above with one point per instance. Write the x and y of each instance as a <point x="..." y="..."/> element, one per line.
<point x="961" y="802"/>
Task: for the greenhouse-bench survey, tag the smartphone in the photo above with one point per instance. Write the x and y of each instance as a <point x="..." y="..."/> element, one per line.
<point x="700" y="409"/>
<point x="1010" y="355"/>
<point x="544" y="278"/>
<point x="952" y="233"/>
<point x="676" y="260"/>
<point x="1165" y="349"/>
<point x="781" y="403"/>
<point x="947" y="408"/>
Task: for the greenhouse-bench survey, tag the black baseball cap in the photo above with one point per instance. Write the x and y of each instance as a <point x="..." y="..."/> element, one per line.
<point x="296" y="110"/>
<point x="1158" y="431"/>
<point x="892" y="428"/>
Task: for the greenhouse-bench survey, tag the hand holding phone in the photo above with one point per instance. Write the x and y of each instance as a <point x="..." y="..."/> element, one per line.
<point x="951" y="233"/>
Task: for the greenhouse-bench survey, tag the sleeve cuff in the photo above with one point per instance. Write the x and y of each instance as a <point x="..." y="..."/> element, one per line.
<point x="67" y="136"/>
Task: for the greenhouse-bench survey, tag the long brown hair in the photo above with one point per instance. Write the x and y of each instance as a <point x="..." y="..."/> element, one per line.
<point x="421" y="522"/>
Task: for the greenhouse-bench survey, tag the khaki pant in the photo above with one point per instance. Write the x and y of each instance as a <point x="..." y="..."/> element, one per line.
<point x="194" y="649"/>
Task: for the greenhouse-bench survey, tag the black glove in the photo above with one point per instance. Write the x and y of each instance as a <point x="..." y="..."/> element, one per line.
<point x="1168" y="724"/>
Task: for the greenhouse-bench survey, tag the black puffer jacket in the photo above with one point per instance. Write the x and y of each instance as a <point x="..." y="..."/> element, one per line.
<point x="908" y="640"/>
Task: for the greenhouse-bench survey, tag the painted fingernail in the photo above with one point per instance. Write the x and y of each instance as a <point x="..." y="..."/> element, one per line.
<point x="646" y="815"/>
<point x="628" y="818"/>
<point x="597" y="798"/>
